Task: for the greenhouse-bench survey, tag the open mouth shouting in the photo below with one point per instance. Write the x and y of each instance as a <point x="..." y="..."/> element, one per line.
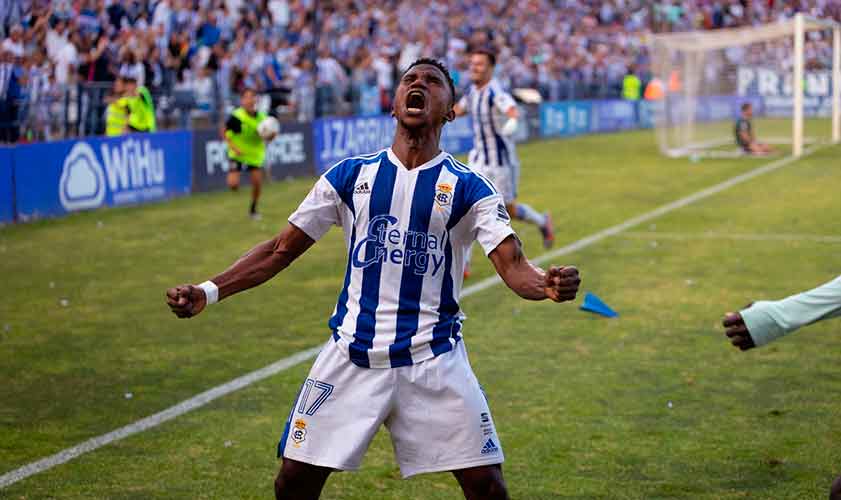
<point x="415" y="102"/>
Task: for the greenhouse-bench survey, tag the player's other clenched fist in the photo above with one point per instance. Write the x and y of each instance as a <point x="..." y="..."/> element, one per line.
<point x="186" y="300"/>
<point x="562" y="283"/>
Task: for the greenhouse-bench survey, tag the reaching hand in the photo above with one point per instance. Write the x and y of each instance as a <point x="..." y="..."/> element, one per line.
<point x="509" y="128"/>
<point x="737" y="331"/>
<point x="186" y="301"/>
<point x="562" y="283"/>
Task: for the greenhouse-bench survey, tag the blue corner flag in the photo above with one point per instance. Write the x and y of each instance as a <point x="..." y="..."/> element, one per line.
<point x="594" y="304"/>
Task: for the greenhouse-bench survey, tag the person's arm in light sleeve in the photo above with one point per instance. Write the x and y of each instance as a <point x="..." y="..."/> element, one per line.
<point x="765" y="321"/>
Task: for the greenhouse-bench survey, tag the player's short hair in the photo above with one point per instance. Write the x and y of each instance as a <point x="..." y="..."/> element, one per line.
<point x="486" y="51"/>
<point x="247" y="90"/>
<point x="746" y="106"/>
<point x="438" y="64"/>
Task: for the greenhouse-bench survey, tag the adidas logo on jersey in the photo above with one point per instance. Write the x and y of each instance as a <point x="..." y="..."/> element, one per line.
<point x="502" y="213"/>
<point x="362" y="189"/>
<point x="489" y="447"/>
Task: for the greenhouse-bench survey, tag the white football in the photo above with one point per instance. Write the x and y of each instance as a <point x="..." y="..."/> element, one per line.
<point x="268" y="128"/>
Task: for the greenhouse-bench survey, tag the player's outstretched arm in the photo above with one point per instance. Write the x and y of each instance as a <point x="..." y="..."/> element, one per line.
<point x="259" y="265"/>
<point x="559" y="284"/>
<point x="765" y="321"/>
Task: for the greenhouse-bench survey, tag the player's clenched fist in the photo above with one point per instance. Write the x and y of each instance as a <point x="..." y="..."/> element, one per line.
<point x="186" y="300"/>
<point x="562" y="283"/>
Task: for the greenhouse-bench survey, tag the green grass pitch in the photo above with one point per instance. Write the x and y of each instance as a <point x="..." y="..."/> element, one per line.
<point x="653" y="404"/>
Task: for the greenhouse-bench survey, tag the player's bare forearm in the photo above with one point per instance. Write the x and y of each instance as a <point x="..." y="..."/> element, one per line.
<point x="459" y="110"/>
<point x="259" y="265"/>
<point x="263" y="262"/>
<point x="529" y="281"/>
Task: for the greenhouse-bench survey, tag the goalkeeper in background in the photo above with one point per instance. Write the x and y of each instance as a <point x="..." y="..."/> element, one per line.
<point x="745" y="137"/>
<point x="246" y="149"/>
<point x="765" y="321"/>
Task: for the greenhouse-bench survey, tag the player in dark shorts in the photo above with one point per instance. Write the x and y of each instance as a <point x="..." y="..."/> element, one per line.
<point x="743" y="130"/>
<point x="246" y="149"/>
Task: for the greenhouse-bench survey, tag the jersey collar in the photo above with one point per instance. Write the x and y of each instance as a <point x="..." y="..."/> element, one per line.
<point x="431" y="163"/>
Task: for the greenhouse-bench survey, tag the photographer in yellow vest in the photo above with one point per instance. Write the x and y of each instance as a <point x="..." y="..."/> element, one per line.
<point x="246" y="149"/>
<point x="141" y="117"/>
<point x="117" y="112"/>
<point x="147" y="105"/>
<point x="136" y="108"/>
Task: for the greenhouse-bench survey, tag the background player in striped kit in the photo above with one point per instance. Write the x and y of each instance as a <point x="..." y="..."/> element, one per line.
<point x="396" y="355"/>
<point x="495" y="120"/>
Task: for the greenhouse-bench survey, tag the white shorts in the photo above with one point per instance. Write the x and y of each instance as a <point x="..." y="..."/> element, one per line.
<point x="435" y="411"/>
<point x="506" y="179"/>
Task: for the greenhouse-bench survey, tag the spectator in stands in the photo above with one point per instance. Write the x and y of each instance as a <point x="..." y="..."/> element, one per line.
<point x="10" y="93"/>
<point x="209" y="33"/>
<point x="66" y="59"/>
<point x="32" y="113"/>
<point x="130" y="64"/>
<point x="117" y="111"/>
<point x="95" y="60"/>
<point x="331" y="82"/>
<point x="14" y="44"/>
<point x="154" y="71"/>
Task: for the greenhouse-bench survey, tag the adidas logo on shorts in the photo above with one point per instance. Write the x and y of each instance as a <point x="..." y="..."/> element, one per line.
<point x="362" y="189"/>
<point x="489" y="447"/>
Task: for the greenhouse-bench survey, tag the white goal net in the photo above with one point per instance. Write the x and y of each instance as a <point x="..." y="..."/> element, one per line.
<point x="784" y="70"/>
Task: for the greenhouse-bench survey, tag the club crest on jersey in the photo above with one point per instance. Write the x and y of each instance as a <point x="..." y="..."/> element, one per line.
<point x="299" y="432"/>
<point x="443" y="194"/>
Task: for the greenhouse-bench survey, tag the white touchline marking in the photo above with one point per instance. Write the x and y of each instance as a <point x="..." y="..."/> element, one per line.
<point x="206" y="397"/>
<point x="809" y="238"/>
<point x="156" y="419"/>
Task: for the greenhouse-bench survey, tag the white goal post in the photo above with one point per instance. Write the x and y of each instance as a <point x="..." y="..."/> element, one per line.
<point x="786" y="70"/>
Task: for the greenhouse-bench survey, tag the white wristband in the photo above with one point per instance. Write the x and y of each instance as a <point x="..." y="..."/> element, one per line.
<point x="211" y="291"/>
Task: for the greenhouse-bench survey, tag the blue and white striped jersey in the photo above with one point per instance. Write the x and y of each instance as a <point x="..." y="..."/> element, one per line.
<point x="406" y="233"/>
<point x="488" y="107"/>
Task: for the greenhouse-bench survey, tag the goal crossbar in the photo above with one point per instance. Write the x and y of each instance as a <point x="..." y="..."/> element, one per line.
<point x="697" y="41"/>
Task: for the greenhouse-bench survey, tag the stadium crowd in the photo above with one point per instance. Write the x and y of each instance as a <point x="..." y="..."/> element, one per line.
<point x="59" y="59"/>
